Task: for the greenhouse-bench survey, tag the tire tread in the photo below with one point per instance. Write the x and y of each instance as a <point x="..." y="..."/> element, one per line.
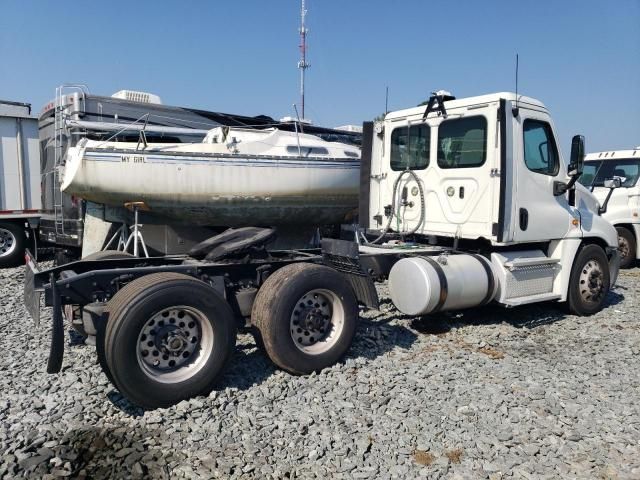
<point x="266" y="305"/>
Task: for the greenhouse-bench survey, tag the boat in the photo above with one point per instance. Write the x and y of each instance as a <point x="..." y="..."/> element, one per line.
<point x="270" y="176"/>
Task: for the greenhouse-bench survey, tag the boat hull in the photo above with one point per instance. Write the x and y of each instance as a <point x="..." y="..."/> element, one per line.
<point x="218" y="190"/>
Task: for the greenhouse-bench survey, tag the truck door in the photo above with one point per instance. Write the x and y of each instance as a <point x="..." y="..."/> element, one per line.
<point x="462" y="202"/>
<point x="453" y="157"/>
<point x="538" y="215"/>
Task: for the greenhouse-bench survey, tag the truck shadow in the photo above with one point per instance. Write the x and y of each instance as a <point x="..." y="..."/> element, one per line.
<point x="525" y="316"/>
<point x="89" y="453"/>
<point x="250" y="366"/>
<point x="374" y="336"/>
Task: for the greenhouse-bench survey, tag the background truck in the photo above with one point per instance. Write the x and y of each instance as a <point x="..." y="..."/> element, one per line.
<point x="623" y="207"/>
<point x="465" y="203"/>
<point x="19" y="181"/>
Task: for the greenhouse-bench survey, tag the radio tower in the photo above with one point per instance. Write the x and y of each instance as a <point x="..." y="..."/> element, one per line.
<point x="302" y="64"/>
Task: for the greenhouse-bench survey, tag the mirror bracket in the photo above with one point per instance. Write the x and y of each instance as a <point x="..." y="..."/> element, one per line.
<point x="559" y="188"/>
<point x="611" y="184"/>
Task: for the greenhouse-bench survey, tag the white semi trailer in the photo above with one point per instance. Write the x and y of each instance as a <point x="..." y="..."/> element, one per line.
<point x="623" y="205"/>
<point x="19" y="181"/>
<point x="465" y="203"/>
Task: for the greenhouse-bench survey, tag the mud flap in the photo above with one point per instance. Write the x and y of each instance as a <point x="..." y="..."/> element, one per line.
<point x="344" y="256"/>
<point x="54" y="365"/>
<point x="31" y="295"/>
<point x="364" y="289"/>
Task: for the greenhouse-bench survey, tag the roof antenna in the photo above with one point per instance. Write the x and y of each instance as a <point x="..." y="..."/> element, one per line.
<point x="515" y="110"/>
<point x="386" y="101"/>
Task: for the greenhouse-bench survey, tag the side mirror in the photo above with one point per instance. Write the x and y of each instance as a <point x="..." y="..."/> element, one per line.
<point x="615" y="182"/>
<point x="576" y="163"/>
<point x="575" y="167"/>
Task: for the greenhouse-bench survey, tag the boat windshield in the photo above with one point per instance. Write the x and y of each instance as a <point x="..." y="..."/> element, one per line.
<point x="597" y="171"/>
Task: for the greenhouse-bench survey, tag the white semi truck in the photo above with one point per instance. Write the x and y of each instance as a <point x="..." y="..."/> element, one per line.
<point x="463" y="203"/>
<point x="623" y="206"/>
<point x="19" y="181"/>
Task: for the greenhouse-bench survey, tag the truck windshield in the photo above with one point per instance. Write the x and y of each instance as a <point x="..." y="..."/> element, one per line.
<point x="597" y="171"/>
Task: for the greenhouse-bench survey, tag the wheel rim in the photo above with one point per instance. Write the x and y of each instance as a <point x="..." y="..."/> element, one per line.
<point x="317" y="321"/>
<point x="174" y="344"/>
<point x="592" y="282"/>
<point x="7" y="242"/>
<point x="623" y="247"/>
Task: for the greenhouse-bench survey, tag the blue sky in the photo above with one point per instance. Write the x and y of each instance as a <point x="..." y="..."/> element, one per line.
<point x="581" y="58"/>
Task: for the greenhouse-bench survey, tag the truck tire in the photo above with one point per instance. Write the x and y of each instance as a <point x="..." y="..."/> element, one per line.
<point x="168" y="337"/>
<point x="108" y="255"/>
<point x="589" y="281"/>
<point x="627" y="247"/>
<point x="305" y="316"/>
<point x="13" y="241"/>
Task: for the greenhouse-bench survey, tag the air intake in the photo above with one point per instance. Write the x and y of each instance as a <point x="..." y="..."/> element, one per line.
<point x="142" y="97"/>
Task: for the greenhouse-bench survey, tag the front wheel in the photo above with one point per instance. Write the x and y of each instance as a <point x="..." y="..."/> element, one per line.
<point x="305" y="316"/>
<point x="168" y="337"/>
<point x="626" y="247"/>
<point x="589" y="282"/>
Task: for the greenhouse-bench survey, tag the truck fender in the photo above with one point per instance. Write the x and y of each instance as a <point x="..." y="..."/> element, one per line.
<point x="565" y="250"/>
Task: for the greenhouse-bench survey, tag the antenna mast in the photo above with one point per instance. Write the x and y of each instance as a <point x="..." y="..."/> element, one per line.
<point x="302" y="64"/>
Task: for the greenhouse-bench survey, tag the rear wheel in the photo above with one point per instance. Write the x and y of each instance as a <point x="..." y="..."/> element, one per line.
<point x="167" y="338"/>
<point x="305" y="316"/>
<point x="589" y="281"/>
<point x="627" y="247"/>
<point x="12" y="244"/>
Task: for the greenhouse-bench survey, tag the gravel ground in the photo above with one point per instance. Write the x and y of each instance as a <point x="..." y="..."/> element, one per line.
<point x="489" y="393"/>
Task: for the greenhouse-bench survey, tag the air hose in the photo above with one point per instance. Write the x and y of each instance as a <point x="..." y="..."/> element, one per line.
<point x="386" y="230"/>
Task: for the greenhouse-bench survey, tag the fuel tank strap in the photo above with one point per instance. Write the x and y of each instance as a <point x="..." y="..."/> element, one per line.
<point x="491" y="281"/>
<point x="444" y="285"/>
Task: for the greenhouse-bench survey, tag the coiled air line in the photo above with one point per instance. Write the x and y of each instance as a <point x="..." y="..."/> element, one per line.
<point x="394" y="196"/>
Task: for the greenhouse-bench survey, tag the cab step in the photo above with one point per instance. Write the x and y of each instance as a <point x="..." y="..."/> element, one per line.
<point x="520" y="262"/>
<point x="540" y="297"/>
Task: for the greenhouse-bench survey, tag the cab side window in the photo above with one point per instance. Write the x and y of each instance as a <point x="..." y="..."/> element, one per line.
<point x="462" y="142"/>
<point x="540" y="151"/>
<point x="410" y="147"/>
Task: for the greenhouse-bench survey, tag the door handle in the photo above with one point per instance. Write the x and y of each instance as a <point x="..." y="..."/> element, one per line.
<point x="524" y="219"/>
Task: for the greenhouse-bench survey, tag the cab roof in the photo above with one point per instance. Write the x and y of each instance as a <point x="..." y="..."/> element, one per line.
<point x="470" y="101"/>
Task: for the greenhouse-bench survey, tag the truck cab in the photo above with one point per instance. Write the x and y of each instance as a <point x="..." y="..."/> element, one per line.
<point x="486" y="174"/>
<point x="622" y="209"/>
